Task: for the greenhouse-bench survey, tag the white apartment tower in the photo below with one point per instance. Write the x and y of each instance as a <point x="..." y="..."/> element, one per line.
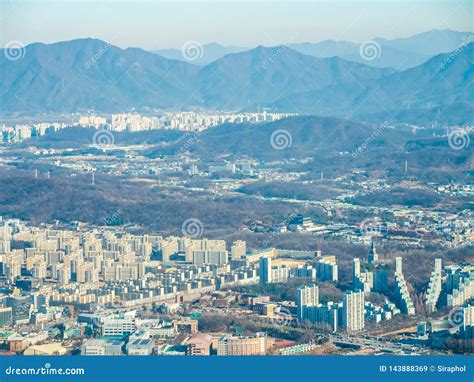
<point x="306" y="296"/>
<point x="353" y="311"/>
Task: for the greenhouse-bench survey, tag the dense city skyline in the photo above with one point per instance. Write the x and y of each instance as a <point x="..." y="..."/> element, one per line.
<point x="304" y="189"/>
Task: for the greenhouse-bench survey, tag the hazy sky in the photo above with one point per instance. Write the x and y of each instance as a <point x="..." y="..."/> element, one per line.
<point x="160" y="24"/>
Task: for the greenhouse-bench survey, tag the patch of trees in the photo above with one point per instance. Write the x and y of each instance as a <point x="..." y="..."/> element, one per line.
<point x="399" y="196"/>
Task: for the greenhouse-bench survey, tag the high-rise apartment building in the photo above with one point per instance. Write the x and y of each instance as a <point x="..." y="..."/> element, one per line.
<point x="361" y="280"/>
<point x="401" y="293"/>
<point x="353" y="311"/>
<point x="21" y="308"/>
<point x="326" y="316"/>
<point x="306" y="296"/>
<point x="238" y="250"/>
<point x="373" y="255"/>
<point x="326" y="268"/>
<point x="265" y="270"/>
<point x="434" y="287"/>
<point x="6" y="317"/>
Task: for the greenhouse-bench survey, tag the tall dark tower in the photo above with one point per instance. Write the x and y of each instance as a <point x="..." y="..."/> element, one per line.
<point x="373" y="255"/>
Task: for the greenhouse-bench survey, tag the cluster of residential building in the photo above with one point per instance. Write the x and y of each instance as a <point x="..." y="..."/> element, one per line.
<point x="454" y="289"/>
<point x="350" y="314"/>
<point x="459" y="284"/>
<point x="325" y="269"/>
<point x="186" y="121"/>
<point x="375" y="277"/>
<point x="459" y="322"/>
<point x="52" y="275"/>
<point x="347" y="315"/>
<point x="90" y="269"/>
<point x="449" y="287"/>
<point x="21" y="132"/>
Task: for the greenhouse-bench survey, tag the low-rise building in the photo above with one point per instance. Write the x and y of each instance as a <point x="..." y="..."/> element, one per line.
<point x="243" y="345"/>
<point x="140" y="346"/>
<point x="102" y="347"/>
<point x="53" y="348"/>
<point x="199" y="344"/>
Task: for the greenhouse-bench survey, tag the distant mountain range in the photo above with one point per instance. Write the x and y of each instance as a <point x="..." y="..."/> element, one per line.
<point x="204" y="55"/>
<point x="398" y="54"/>
<point x="251" y="77"/>
<point x="89" y="74"/>
<point x="92" y="74"/>
<point x="445" y="80"/>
